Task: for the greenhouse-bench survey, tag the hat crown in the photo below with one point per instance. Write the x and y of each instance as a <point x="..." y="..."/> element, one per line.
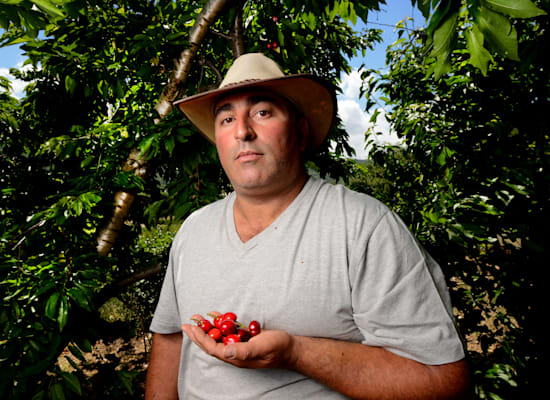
<point x="251" y="67"/>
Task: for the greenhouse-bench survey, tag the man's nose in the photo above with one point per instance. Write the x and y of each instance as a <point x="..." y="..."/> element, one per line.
<point x="244" y="131"/>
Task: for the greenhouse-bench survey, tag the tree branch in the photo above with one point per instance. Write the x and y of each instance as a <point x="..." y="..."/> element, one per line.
<point x="124" y="200"/>
<point x="210" y="64"/>
<point x="140" y="275"/>
<point x="114" y="289"/>
<point x="237" y="40"/>
<point x="207" y="16"/>
<point x="221" y="34"/>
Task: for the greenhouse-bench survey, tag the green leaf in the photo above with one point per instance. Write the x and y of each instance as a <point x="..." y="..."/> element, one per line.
<point x="11" y="2"/>
<point x="169" y="144"/>
<point x="85" y="345"/>
<point x="63" y="313"/>
<point x="281" y="38"/>
<point x="498" y="31"/>
<point x="424" y="6"/>
<point x="70" y="84"/>
<point x="75" y="351"/>
<point x="146" y="144"/>
<point x="126" y="378"/>
<point x="310" y="21"/>
<point x="72" y="382"/>
<point x="80" y="298"/>
<point x="343" y="9"/>
<point x="352" y="14"/>
<point x="479" y="55"/>
<point x="51" y="305"/>
<point x="86" y="161"/>
<point x="442" y="65"/>
<point x="49" y="8"/>
<point x="444" y="36"/>
<point x="39" y="396"/>
<point x="56" y="392"/>
<point x="515" y="8"/>
<point x="439" y="14"/>
<point x="71" y="361"/>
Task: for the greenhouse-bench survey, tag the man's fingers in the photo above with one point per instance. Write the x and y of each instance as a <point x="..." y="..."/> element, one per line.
<point x="196" y="334"/>
<point x="214" y="314"/>
<point x="197" y="317"/>
<point x="237" y="351"/>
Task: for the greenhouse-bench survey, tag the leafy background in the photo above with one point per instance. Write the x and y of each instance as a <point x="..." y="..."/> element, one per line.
<point x="85" y="154"/>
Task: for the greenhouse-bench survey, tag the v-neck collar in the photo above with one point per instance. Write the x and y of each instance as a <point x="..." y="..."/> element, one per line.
<point x="271" y="229"/>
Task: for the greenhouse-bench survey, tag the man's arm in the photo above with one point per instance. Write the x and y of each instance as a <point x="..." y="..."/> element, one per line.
<point x="353" y="369"/>
<point x="162" y="372"/>
<point x="361" y="371"/>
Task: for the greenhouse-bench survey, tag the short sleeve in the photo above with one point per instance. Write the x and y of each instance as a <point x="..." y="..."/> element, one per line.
<point x="400" y="298"/>
<point x="167" y="317"/>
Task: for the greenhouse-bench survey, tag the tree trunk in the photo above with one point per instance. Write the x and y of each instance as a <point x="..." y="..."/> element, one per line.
<point x="136" y="161"/>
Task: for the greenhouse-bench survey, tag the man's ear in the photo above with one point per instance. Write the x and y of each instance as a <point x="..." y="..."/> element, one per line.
<point x="303" y="132"/>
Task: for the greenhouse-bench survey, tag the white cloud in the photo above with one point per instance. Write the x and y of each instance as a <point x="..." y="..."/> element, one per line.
<point x="351" y="84"/>
<point x="17" y="85"/>
<point x="356" y="121"/>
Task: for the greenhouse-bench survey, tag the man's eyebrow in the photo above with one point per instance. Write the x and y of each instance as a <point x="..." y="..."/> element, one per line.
<point x="223" y="107"/>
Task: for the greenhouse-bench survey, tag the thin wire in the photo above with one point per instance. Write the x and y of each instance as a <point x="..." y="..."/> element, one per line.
<point x="391" y="26"/>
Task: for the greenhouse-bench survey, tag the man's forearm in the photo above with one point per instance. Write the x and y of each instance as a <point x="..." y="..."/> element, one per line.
<point x="162" y="372"/>
<point x="359" y="371"/>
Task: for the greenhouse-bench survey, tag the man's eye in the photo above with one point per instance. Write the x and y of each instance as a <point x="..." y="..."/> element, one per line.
<point x="225" y="120"/>
<point x="263" y="113"/>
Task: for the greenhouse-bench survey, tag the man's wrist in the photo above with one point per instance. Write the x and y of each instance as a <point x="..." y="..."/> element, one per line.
<point x="293" y="352"/>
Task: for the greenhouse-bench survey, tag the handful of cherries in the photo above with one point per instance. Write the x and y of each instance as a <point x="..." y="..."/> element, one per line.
<point x="226" y="329"/>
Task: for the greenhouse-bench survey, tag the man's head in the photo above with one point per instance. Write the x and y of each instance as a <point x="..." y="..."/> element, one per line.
<point x="310" y="96"/>
<point x="260" y="139"/>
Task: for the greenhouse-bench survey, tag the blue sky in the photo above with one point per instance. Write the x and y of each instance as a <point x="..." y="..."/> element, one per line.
<point x="351" y="107"/>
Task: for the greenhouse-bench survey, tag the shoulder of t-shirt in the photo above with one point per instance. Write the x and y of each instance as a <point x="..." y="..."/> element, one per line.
<point x="356" y="200"/>
<point x="204" y="215"/>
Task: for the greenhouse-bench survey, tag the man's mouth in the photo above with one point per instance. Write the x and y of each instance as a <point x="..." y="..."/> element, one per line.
<point x="248" y="155"/>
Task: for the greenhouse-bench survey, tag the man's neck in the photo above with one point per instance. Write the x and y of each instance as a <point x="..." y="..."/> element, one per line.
<point x="253" y="213"/>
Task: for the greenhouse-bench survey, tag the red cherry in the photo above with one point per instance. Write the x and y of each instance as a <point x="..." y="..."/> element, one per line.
<point x="254" y="328"/>
<point x="275" y="19"/>
<point x="274" y="45"/>
<point x="269" y="45"/>
<point x="205" y="325"/>
<point x="229" y="316"/>
<point x="215" y="334"/>
<point x="231" y="339"/>
<point x="228" y="327"/>
<point x="218" y="321"/>
<point x="243" y="334"/>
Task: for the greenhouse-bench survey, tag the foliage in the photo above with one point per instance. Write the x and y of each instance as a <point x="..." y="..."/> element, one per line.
<point x="97" y="73"/>
<point x="471" y="181"/>
<point x="484" y="24"/>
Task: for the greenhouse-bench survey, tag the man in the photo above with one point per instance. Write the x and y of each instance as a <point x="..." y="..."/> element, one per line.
<point x="351" y="305"/>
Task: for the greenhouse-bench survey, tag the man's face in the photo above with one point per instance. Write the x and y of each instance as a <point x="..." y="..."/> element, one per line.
<point x="259" y="142"/>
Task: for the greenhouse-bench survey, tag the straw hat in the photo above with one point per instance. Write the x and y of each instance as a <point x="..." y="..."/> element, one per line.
<point x="311" y="95"/>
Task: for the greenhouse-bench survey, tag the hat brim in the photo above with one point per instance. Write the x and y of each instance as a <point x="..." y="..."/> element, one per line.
<point x="311" y="95"/>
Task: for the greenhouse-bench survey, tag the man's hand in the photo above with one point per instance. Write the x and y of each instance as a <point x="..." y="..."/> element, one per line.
<point x="269" y="349"/>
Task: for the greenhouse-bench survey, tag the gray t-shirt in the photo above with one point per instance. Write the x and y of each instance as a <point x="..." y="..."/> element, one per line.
<point x="335" y="264"/>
